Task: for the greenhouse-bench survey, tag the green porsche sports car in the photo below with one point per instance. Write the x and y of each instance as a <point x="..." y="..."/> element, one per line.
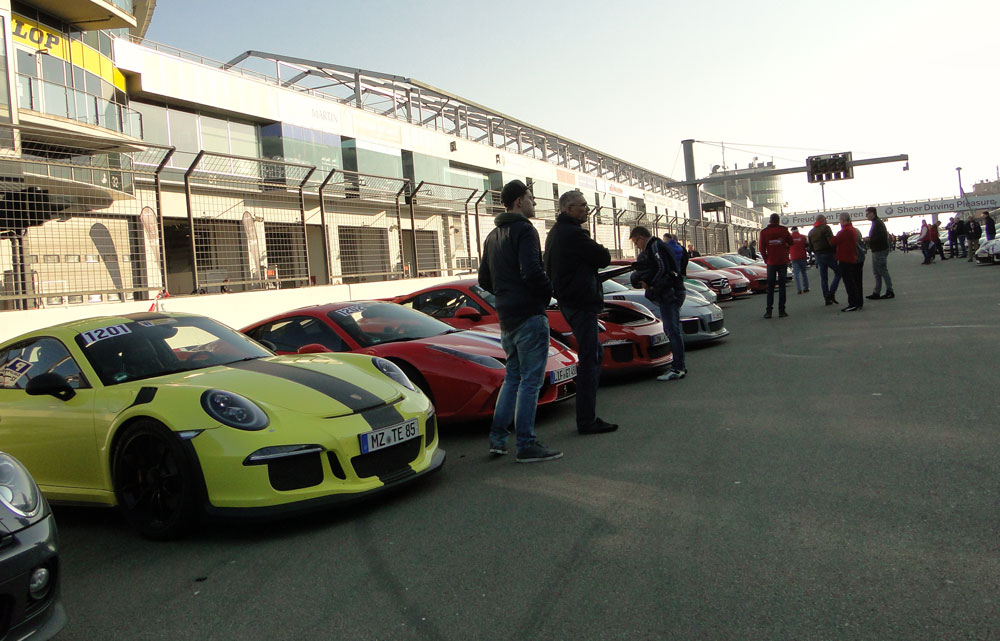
<point x="171" y="416"/>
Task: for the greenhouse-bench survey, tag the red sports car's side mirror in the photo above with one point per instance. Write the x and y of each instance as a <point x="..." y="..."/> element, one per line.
<point x="313" y="348"/>
<point x="468" y="313"/>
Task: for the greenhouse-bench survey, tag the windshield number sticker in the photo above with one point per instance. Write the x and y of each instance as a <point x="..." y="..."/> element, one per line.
<point x="14" y="370"/>
<point x="94" y="335"/>
<point x="347" y="311"/>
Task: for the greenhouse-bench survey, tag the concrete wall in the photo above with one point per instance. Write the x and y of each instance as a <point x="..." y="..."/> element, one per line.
<point x="235" y="310"/>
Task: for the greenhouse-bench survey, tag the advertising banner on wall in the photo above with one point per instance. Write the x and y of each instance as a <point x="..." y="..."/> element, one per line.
<point x="918" y="208"/>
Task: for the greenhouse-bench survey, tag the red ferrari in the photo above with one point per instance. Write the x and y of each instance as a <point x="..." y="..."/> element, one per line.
<point x="631" y="336"/>
<point x="753" y="273"/>
<point x="461" y="371"/>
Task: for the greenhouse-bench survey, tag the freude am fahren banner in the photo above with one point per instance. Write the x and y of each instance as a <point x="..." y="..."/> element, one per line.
<point x="926" y="207"/>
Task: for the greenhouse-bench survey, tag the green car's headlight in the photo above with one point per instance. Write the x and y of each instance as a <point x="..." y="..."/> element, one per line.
<point x="17" y="491"/>
<point x="234" y="410"/>
<point x="392" y="370"/>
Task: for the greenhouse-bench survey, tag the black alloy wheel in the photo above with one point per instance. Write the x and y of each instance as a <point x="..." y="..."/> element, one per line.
<point x="154" y="483"/>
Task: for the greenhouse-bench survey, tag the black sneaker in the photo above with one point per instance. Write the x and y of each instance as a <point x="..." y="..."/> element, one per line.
<point x="850" y="309"/>
<point x="767" y="314"/>
<point x="782" y="314"/>
<point x="536" y="453"/>
<point x="599" y="426"/>
<point x="498" y="450"/>
<point x="889" y="294"/>
<point x="834" y="300"/>
<point x="873" y="296"/>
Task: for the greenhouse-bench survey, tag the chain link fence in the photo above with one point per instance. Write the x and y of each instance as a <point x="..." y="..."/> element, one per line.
<point x="79" y="219"/>
<point x="246" y="223"/>
<point x="442" y="227"/>
<point x="361" y="227"/>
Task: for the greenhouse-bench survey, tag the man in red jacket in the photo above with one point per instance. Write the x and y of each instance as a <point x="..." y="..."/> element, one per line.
<point x="774" y="243"/>
<point x="798" y="258"/>
<point x="846" y="241"/>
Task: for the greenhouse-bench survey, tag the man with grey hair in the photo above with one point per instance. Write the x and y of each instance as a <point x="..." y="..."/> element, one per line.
<point x="571" y="261"/>
<point x="819" y="242"/>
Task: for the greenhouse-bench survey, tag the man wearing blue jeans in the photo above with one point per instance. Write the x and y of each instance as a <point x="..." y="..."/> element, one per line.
<point x="512" y="271"/>
<point x="878" y="244"/>
<point x="660" y="272"/>
<point x="819" y="242"/>
<point x="775" y="242"/>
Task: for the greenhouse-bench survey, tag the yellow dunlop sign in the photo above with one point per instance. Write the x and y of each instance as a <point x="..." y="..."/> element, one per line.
<point x="38" y="37"/>
<point x="27" y="32"/>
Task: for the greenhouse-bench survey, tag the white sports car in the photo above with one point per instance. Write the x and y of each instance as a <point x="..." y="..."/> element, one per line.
<point x="701" y="320"/>
<point x="989" y="252"/>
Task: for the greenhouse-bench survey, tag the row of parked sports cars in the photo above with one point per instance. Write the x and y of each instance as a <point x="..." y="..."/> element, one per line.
<point x="174" y="416"/>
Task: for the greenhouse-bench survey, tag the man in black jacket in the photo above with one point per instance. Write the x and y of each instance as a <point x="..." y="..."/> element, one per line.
<point x="657" y="270"/>
<point x="961" y="229"/>
<point x="878" y="244"/>
<point x="512" y="271"/>
<point x="571" y="260"/>
<point x="973" y="231"/>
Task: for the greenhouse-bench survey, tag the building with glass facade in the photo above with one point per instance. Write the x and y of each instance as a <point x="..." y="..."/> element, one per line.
<point x="761" y="191"/>
<point x="132" y="168"/>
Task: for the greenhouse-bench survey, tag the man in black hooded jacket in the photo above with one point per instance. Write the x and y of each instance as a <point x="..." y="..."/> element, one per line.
<point x="512" y="271"/>
<point x="571" y="260"/>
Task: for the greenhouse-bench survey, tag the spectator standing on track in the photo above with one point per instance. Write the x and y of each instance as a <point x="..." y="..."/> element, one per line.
<point x="744" y="249"/>
<point x="926" y="246"/>
<point x="961" y="230"/>
<point x="692" y="252"/>
<point x="662" y="276"/>
<point x="753" y="250"/>
<point x="819" y="242"/>
<point x="878" y="243"/>
<point x="952" y="235"/>
<point x="797" y="255"/>
<point x="973" y="231"/>
<point x="990" y="225"/>
<point x="774" y="243"/>
<point x="846" y="241"/>
<point x="571" y="261"/>
<point x="512" y="271"/>
<point x="936" y="239"/>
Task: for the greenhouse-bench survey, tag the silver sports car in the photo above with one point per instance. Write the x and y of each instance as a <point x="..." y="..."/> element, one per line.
<point x="701" y="320"/>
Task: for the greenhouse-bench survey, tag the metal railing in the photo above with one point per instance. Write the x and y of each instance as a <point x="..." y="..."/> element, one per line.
<point x="56" y="99"/>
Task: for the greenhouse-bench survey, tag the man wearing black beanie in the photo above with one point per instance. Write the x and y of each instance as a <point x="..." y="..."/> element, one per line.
<point x="512" y="271"/>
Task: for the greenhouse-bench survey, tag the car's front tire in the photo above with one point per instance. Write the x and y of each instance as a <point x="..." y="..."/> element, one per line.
<point x="155" y="486"/>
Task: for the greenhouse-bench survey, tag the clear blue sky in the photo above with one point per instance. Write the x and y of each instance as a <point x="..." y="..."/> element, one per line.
<point x="782" y="79"/>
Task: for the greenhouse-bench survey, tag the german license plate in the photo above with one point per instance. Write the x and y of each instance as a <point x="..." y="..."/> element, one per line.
<point x="564" y="374"/>
<point x="659" y="339"/>
<point x="388" y="436"/>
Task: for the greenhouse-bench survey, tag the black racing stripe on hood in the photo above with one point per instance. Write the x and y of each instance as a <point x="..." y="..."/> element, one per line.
<point x="145" y="395"/>
<point x="354" y="397"/>
<point x="384" y="416"/>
